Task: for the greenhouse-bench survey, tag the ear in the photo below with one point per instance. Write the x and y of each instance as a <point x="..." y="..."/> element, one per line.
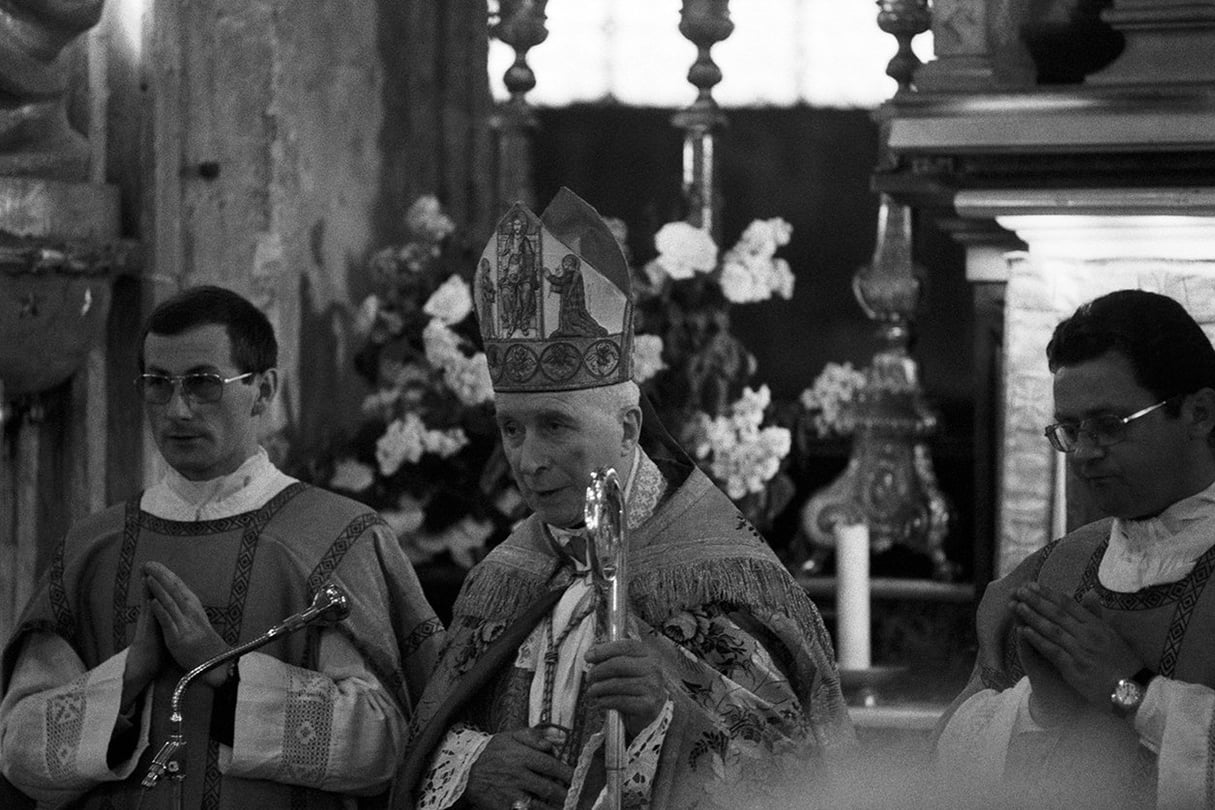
<point x="631" y="421"/>
<point x="267" y="387"/>
<point x="1199" y="411"/>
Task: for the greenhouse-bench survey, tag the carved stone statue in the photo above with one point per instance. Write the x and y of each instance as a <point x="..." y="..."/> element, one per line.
<point x="35" y="137"/>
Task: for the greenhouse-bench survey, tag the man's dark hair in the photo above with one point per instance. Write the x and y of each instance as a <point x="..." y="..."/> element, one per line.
<point x="1169" y="353"/>
<point x="254" y="347"/>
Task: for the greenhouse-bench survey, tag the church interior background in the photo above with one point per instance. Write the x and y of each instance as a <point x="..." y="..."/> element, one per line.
<point x="952" y="178"/>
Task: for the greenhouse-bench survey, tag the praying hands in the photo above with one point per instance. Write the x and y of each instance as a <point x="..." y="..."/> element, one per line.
<point x="1085" y="654"/>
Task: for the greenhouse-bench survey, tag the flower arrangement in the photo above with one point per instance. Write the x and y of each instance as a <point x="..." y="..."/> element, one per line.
<point x="426" y="453"/>
<point x="827" y="402"/>
<point x="698" y="373"/>
<point x="741" y="454"/>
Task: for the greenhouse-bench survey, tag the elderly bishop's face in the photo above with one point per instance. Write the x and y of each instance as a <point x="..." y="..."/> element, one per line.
<point x="554" y="441"/>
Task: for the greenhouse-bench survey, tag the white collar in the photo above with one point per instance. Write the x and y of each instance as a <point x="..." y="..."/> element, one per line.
<point x="1160" y="549"/>
<point x="247" y="487"/>
<point x="641" y="492"/>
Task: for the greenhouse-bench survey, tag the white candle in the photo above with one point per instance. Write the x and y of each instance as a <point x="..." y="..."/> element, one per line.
<point x="852" y="595"/>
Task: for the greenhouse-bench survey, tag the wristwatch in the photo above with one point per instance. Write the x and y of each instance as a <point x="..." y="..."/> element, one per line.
<point x="1128" y="692"/>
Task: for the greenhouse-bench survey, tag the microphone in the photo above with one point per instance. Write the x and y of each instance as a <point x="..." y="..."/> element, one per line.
<point x="329" y="606"/>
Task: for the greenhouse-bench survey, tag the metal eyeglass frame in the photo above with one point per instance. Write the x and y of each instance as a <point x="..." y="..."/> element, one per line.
<point x="1052" y="431"/>
<point x="180" y="379"/>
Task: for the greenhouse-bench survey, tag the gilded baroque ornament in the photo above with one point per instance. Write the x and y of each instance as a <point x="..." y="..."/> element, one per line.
<point x="889" y="482"/>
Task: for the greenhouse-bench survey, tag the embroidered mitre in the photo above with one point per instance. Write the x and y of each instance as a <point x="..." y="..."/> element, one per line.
<point x="554" y="301"/>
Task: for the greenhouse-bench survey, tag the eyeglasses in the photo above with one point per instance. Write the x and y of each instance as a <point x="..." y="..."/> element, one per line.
<point x="201" y="388"/>
<point x="1101" y="431"/>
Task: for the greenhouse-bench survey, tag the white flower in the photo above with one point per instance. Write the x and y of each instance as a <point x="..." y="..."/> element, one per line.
<point x="684" y="250"/>
<point x="420" y="546"/>
<point x="444" y="443"/>
<point x="782" y="279"/>
<point x="752" y="403"/>
<point x="441" y="343"/>
<point x="751" y="461"/>
<point x="464" y="538"/>
<point x="426" y="217"/>
<point x="365" y="317"/>
<point x="415" y="256"/>
<point x="383" y="266"/>
<point x="406" y="375"/>
<point x="654" y="273"/>
<point x="777" y="442"/>
<point x="352" y="475"/>
<point x="742" y="282"/>
<point x="749" y="270"/>
<point x="746" y="278"/>
<point x="408" y="438"/>
<point x="469" y="380"/>
<point x="763" y="236"/>
<point x="508" y="501"/>
<point x="406" y="518"/>
<point x="380" y="404"/>
<point x="451" y="302"/>
<point x="741" y="455"/>
<point x="647" y="357"/>
<point x="829" y="398"/>
<point x="401" y="442"/>
<point x="467" y="377"/>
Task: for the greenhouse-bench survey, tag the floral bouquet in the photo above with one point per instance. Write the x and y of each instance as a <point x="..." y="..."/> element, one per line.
<point x="697" y="373"/>
<point x="828" y="401"/>
<point x="426" y="453"/>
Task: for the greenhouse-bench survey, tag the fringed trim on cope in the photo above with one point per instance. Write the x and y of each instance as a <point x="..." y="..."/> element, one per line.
<point x="701" y="573"/>
<point x="505" y="585"/>
<point x="659" y="592"/>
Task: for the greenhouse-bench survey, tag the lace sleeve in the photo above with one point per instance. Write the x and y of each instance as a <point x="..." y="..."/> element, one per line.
<point x="642" y="763"/>
<point x="447" y="777"/>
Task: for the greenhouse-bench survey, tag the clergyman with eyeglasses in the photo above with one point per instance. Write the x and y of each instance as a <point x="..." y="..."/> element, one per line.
<point x="224" y="547"/>
<point x="1095" y="679"/>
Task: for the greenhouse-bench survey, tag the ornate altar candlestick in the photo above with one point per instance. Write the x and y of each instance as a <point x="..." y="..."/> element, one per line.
<point x="520" y="24"/>
<point x="705" y="23"/>
<point x="890" y="476"/>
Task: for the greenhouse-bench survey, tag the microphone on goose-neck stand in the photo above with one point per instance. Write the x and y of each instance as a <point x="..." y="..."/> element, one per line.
<point x="329" y="606"/>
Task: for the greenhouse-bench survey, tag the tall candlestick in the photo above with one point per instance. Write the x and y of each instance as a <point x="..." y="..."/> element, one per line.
<point x="852" y="595"/>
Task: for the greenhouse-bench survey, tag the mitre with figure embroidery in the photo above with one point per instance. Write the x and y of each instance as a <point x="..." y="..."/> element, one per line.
<point x="554" y="301"/>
